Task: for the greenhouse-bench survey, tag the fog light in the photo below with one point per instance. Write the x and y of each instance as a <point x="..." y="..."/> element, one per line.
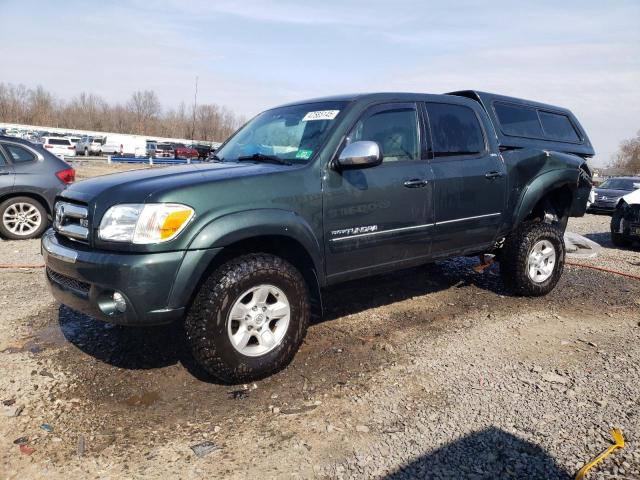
<point x="119" y="302"/>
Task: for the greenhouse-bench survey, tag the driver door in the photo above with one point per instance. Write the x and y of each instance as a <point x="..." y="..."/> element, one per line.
<point x="376" y="218"/>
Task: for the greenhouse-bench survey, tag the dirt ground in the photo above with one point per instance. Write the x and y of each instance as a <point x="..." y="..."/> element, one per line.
<point x="432" y="372"/>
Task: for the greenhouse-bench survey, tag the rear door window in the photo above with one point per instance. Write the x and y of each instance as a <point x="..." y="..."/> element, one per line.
<point x="455" y="130"/>
<point x="518" y="121"/>
<point x="19" y="154"/>
<point x="558" y="127"/>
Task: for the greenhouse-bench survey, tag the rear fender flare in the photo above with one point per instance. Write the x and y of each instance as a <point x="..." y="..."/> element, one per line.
<point x="541" y="186"/>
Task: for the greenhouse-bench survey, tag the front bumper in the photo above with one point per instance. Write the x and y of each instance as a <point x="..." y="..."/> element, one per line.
<point x="156" y="286"/>
<point x="603" y="206"/>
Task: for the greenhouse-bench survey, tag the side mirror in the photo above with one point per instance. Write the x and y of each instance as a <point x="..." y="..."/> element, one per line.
<point x="363" y="154"/>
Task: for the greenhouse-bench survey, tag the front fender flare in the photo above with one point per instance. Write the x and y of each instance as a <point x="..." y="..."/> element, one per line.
<point x="232" y="228"/>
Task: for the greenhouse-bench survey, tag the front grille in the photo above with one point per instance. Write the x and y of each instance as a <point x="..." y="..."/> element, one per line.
<point x="68" y="282"/>
<point x="72" y="221"/>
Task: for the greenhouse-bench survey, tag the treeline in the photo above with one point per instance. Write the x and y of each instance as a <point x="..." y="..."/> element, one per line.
<point x="628" y="156"/>
<point x="142" y="114"/>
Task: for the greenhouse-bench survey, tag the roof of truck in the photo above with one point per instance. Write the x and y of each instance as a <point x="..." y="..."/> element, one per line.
<point x="580" y="146"/>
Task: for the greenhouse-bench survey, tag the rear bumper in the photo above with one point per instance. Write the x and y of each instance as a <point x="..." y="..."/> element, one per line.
<point x="156" y="287"/>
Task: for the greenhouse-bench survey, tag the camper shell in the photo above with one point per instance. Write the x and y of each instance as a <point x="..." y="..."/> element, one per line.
<point x="523" y="123"/>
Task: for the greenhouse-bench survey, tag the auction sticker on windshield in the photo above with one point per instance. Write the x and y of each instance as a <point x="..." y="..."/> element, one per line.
<point x="321" y="115"/>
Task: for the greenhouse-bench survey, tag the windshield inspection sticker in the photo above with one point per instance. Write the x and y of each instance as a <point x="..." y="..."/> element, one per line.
<point x="321" y="115"/>
<point x="304" y="154"/>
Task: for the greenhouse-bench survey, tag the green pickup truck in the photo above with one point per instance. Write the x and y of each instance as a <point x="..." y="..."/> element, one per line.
<point x="314" y="193"/>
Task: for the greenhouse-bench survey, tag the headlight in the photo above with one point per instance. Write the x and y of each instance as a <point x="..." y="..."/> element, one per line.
<point x="144" y="223"/>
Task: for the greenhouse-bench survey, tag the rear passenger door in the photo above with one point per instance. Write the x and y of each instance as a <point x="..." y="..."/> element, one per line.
<point x="7" y="177"/>
<point x="469" y="180"/>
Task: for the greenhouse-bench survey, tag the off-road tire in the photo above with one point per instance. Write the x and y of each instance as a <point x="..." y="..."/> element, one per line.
<point x="44" y="222"/>
<point x="618" y="238"/>
<point x="206" y="321"/>
<point x="515" y="253"/>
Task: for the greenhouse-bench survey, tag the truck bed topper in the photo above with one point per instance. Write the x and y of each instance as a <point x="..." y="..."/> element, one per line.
<point x="523" y="123"/>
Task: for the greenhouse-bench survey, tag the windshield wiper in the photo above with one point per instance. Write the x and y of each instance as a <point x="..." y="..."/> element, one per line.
<point x="261" y="157"/>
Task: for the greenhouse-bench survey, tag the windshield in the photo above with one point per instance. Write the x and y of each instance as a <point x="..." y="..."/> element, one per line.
<point x="620" y="184"/>
<point x="291" y="133"/>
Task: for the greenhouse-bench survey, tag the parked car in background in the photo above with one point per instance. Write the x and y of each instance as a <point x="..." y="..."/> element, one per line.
<point x="203" y="150"/>
<point x="59" y="146"/>
<point x="73" y="139"/>
<point x="625" y="221"/>
<point x="180" y="150"/>
<point x="151" y="148"/>
<point x="164" y="150"/>
<point x="125" y="145"/>
<point x="609" y="193"/>
<point x="30" y="179"/>
<point x="89" y="146"/>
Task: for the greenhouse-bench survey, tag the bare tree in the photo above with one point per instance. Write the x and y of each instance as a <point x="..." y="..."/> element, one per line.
<point x="628" y="156"/>
<point x="146" y="107"/>
<point x="142" y="114"/>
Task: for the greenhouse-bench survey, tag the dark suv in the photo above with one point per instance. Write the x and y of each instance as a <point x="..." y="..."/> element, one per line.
<point x="30" y="179"/>
<point x="311" y="194"/>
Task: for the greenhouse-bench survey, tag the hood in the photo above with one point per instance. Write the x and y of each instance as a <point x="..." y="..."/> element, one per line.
<point x="137" y="185"/>
<point x="632" y="198"/>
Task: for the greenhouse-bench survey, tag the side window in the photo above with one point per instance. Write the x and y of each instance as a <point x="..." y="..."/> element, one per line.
<point x="19" y="154"/>
<point x="558" y="127"/>
<point x="3" y="161"/>
<point x="518" y="121"/>
<point x="455" y="130"/>
<point x="395" y="131"/>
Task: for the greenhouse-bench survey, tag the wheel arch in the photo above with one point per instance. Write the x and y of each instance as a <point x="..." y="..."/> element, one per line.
<point x="36" y="196"/>
<point x="276" y="232"/>
<point x="556" y="188"/>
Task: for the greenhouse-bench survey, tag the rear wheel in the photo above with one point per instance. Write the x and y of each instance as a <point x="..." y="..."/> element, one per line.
<point x="249" y="318"/>
<point x="617" y="237"/>
<point x="22" y="218"/>
<point x="532" y="259"/>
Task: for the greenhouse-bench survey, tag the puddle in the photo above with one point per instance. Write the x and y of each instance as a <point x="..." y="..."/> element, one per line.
<point x="49" y="337"/>
<point x="145" y="399"/>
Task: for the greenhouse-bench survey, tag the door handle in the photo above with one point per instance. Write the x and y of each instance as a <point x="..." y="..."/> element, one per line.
<point x="415" y="183"/>
<point x="4" y="172"/>
<point x="492" y="175"/>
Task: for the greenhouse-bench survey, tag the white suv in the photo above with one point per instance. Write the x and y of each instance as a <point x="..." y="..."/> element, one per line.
<point x="59" y="146"/>
<point x="89" y="145"/>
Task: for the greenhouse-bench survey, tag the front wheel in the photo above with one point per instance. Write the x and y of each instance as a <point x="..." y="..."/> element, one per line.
<point x="617" y="233"/>
<point x="532" y="259"/>
<point x="249" y="318"/>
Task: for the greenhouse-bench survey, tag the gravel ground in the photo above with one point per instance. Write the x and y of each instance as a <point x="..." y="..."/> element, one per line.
<point x="432" y="372"/>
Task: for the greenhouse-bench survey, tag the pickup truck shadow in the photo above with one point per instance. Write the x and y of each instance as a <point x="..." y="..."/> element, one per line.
<point x="358" y="295"/>
<point x="490" y="453"/>
<point x="139" y="348"/>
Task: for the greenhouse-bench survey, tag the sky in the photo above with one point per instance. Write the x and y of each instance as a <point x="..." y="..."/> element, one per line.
<point x="251" y="55"/>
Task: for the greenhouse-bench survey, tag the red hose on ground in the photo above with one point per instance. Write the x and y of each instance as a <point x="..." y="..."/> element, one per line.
<point x="602" y="269"/>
